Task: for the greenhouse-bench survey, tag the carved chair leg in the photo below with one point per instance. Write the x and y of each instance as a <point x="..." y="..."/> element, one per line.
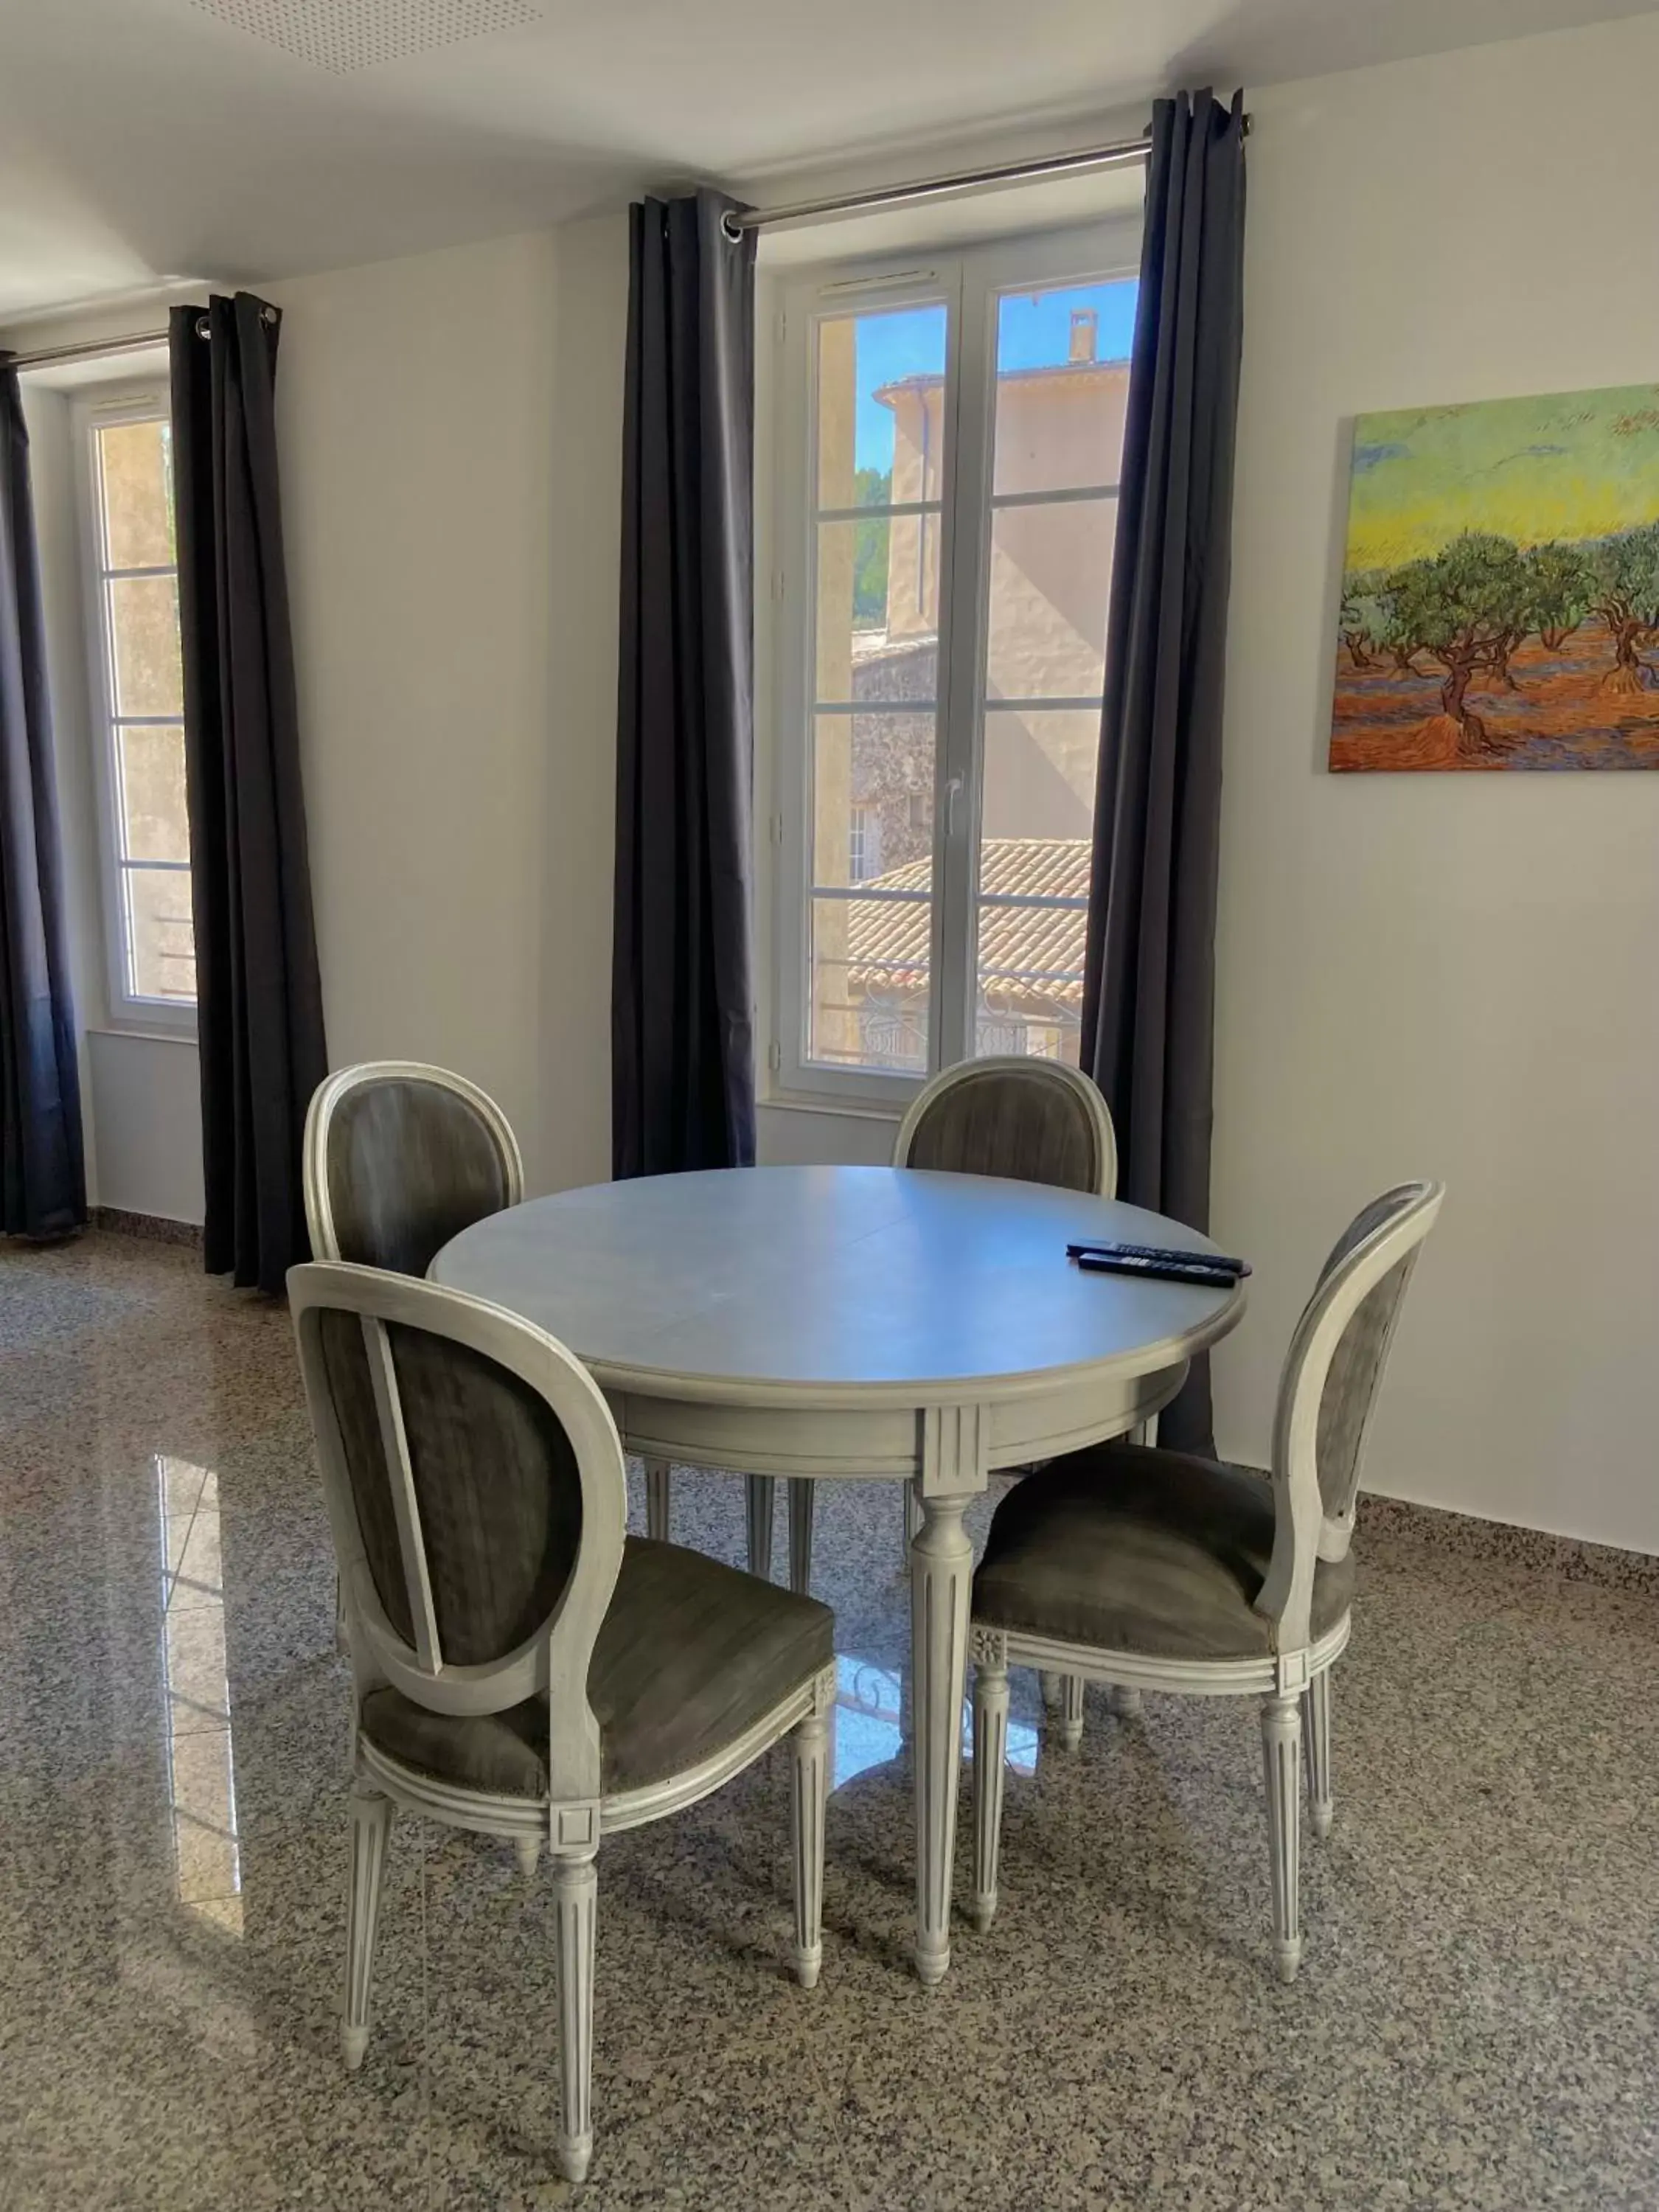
<point x="990" y="1773"/>
<point x="1124" y="1702"/>
<point x="371" y="1823"/>
<point x="760" y="1488"/>
<point x="1316" y="1741"/>
<point x="803" y="1497"/>
<point x="1068" y="1725"/>
<point x="1281" y="1751"/>
<point x="529" y="1849"/>
<point x="809" y="1797"/>
<point x="659" y="1491"/>
<point x="576" y="1882"/>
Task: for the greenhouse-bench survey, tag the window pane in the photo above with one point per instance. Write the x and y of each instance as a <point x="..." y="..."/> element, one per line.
<point x="1032" y="913"/>
<point x="1062" y="382"/>
<point x="160" y="939"/>
<point x="1039" y="777"/>
<point x="881" y="406"/>
<point x="136" y="463"/>
<point x="144" y="614"/>
<point x="872" y="773"/>
<point x="155" y="822"/>
<point x="871" y="966"/>
<point x="878" y="609"/>
<point x="1051" y="572"/>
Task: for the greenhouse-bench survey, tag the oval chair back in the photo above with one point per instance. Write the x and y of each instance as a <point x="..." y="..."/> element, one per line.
<point x="1327" y="1392"/>
<point x="399" y="1158"/>
<point x="1033" y="1121"/>
<point x="476" y="1496"/>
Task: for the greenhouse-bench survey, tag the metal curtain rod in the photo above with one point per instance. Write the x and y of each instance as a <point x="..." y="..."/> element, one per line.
<point x="1117" y="156"/>
<point x="95" y="349"/>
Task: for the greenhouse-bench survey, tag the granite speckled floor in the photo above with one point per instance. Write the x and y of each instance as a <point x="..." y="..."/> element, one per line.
<point x="1476" y="2025"/>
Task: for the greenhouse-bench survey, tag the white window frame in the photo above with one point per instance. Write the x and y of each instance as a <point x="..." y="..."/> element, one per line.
<point x="968" y="282"/>
<point x="99" y="407"/>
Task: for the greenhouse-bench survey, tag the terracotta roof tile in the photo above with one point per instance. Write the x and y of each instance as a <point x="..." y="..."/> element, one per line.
<point x="1030" y="958"/>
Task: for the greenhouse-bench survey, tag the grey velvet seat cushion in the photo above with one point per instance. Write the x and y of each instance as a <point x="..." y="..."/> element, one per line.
<point x="1131" y="1549"/>
<point x="691" y="1654"/>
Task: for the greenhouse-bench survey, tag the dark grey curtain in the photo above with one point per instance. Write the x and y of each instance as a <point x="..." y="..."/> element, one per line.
<point x="259" y="1012"/>
<point x="42" y="1172"/>
<point x="1148" y="993"/>
<point x="682" y="1057"/>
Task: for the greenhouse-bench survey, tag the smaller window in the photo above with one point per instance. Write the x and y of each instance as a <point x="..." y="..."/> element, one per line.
<point x="139" y="728"/>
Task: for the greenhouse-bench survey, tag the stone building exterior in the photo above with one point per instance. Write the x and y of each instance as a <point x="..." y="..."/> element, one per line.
<point x="1058" y="437"/>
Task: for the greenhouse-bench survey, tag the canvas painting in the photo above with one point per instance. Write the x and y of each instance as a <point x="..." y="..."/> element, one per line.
<point x="1500" y="590"/>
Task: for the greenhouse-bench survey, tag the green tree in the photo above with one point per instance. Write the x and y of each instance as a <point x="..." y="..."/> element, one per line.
<point x="1463" y="608"/>
<point x="1563" y="591"/>
<point x="1362" y="617"/>
<point x="871" y="487"/>
<point x="1625" y="577"/>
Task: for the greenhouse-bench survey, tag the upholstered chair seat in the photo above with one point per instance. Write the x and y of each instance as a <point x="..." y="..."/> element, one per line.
<point x="1142" y="1569"/>
<point x="690" y="1654"/>
<point x="1129" y="1549"/>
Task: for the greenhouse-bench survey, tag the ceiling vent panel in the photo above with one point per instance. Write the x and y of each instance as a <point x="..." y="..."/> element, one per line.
<point x="343" y="35"/>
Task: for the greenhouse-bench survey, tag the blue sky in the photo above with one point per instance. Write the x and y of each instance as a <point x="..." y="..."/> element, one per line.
<point x="1034" y="331"/>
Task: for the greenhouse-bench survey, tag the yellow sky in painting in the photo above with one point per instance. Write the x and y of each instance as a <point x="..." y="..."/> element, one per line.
<point x="1569" y="466"/>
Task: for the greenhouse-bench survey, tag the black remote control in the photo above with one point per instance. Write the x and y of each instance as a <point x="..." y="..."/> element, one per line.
<point x="1170" y="1268"/>
<point x="1215" y="1262"/>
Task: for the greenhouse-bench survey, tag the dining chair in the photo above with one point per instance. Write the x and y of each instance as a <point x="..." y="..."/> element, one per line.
<point x="1157" y="1570"/>
<point x="520" y="1666"/>
<point x="398" y="1157"/>
<point x="1032" y="1120"/>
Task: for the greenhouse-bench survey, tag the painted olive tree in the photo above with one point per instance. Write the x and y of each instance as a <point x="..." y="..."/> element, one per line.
<point x="1625" y="585"/>
<point x="1563" y="591"/>
<point x="1465" y="609"/>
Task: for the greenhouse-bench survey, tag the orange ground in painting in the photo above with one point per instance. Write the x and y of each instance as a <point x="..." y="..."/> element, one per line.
<point x="1560" y="715"/>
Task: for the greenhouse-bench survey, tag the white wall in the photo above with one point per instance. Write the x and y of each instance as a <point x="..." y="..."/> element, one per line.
<point x="1442" y="975"/>
<point x="453" y="566"/>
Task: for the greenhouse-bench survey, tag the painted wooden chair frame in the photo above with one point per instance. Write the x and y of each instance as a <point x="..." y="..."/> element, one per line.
<point x="575" y="1814"/>
<point x="1308" y="1525"/>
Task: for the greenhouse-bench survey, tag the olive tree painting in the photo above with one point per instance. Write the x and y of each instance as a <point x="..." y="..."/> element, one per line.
<point x="1500" y="590"/>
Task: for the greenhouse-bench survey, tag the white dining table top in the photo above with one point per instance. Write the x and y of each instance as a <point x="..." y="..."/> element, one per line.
<point x="785" y="1285"/>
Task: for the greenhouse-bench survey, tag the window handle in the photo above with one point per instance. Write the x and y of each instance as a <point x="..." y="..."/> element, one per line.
<point x="952" y="792"/>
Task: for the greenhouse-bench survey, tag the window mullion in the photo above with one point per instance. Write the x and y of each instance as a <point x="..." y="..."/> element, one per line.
<point x="961" y="663"/>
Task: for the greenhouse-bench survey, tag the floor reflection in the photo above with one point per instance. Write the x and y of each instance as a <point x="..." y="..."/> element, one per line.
<point x="869" y="1724"/>
<point x="201" y="1764"/>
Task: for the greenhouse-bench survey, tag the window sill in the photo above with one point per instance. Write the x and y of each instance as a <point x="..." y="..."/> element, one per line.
<point x="143" y="1034"/>
<point x="793" y="1102"/>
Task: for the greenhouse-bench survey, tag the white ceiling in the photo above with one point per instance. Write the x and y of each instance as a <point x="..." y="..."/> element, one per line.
<point x="141" y="138"/>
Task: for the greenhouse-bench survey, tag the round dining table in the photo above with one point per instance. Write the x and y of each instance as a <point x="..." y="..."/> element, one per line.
<point x="868" y="1324"/>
